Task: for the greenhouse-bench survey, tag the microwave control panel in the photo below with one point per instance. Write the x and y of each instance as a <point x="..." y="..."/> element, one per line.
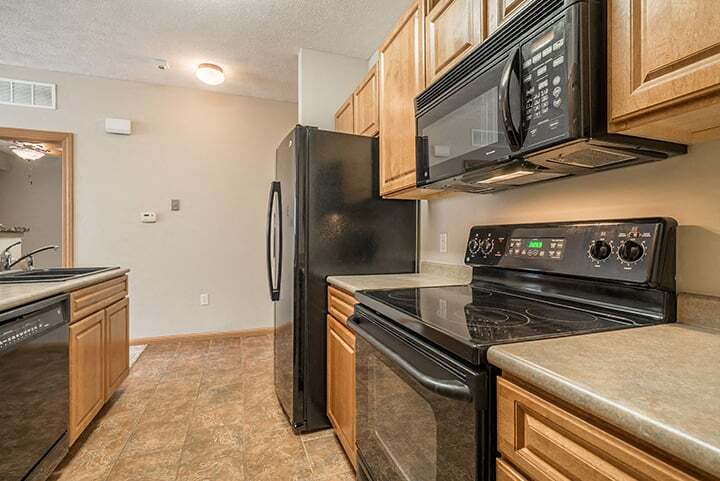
<point x="545" y="84"/>
<point x="624" y="251"/>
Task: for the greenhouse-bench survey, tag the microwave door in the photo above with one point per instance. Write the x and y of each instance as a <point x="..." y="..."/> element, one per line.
<point x="465" y="131"/>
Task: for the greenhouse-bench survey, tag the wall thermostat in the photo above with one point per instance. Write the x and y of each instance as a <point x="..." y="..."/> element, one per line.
<point x="148" y="217"/>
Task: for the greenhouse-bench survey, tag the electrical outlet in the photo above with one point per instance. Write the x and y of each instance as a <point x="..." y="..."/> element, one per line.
<point x="443" y="242"/>
<point x="204" y="299"/>
<point x="442" y="308"/>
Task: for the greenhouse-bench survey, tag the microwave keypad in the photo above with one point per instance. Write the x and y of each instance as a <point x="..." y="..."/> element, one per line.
<point x="544" y="78"/>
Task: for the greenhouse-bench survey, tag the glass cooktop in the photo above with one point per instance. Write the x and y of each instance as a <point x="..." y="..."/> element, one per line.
<point x="467" y="320"/>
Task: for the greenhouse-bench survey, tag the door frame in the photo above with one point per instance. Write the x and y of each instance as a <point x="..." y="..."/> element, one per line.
<point x="65" y="139"/>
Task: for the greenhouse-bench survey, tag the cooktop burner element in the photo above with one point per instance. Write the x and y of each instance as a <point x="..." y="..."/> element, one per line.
<point x="478" y="316"/>
<point x="541" y="281"/>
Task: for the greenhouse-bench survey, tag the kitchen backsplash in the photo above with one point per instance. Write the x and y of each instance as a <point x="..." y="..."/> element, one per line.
<point x="683" y="187"/>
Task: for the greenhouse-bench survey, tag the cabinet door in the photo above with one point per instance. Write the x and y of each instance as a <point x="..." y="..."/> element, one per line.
<point x="87" y="372"/>
<point x="117" y="345"/>
<point x="344" y="117"/>
<point x="366" y="105"/>
<point x="498" y="11"/>
<point x="341" y="384"/>
<point x="402" y="77"/>
<point x="547" y="443"/>
<point x="664" y="61"/>
<point x="453" y="28"/>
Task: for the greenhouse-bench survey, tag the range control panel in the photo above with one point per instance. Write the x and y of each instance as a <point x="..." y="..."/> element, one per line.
<point x="629" y="251"/>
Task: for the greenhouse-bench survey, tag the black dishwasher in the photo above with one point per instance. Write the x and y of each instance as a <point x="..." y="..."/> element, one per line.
<point x="34" y="393"/>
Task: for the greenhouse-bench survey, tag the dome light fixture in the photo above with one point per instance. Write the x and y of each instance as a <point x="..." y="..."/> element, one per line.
<point x="210" y="74"/>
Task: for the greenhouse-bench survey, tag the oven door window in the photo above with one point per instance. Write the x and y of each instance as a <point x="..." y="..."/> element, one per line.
<point x="407" y="432"/>
<point x="463" y="132"/>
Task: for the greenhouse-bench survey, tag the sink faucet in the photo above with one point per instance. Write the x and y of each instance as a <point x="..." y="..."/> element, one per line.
<point x="29" y="256"/>
<point x="6" y="257"/>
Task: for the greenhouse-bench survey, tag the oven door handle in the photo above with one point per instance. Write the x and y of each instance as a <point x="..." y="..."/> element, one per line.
<point x="450" y="388"/>
<point x="514" y="135"/>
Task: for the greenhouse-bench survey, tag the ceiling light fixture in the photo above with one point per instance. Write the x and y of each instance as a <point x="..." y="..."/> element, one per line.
<point x="28" y="151"/>
<point x="210" y="74"/>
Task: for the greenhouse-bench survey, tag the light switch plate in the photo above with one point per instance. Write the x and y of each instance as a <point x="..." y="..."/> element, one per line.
<point x="175" y="204"/>
<point x="204" y="299"/>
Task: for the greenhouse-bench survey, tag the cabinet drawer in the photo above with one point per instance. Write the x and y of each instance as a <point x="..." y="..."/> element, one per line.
<point x="341" y="304"/>
<point x="88" y="300"/>
<point x="547" y="443"/>
<point x="505" y="472"/>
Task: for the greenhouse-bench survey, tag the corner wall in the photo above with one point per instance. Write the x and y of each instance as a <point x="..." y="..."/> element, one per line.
<point x="214" y="152"/>
<point x="325" y="81"/>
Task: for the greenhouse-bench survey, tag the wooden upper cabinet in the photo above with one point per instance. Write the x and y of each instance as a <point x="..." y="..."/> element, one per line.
<point x="498" y="11"/>
<point x="401" y="77"/>
<point x="452" y="28"/>
<point x="344" y="117"/>
<point x="664" y="62"/>
<point x="365" y="105"/>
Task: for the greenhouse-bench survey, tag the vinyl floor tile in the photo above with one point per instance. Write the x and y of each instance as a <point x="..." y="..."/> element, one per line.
<point x="201" y="411"/>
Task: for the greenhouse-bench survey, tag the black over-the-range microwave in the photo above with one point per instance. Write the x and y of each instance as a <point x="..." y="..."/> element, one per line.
<point x="527" y="105"/>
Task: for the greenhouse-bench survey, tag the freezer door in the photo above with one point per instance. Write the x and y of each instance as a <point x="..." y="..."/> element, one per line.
<point x="287" y="316"/>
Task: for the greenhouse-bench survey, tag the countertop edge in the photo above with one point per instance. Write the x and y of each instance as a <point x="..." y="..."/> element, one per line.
<point x="48" y="289"/>
<point x="626" y="420"/>
<point x="395" y="281"/>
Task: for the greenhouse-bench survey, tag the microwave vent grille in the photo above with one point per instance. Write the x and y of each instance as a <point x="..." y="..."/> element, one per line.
<point x="524" y="21"/>
<point x="593" y="158"/>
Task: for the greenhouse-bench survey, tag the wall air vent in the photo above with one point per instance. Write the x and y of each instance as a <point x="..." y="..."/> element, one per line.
<point x="24" y="93"/>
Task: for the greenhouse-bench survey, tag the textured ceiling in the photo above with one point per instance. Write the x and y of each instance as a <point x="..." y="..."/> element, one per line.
<point x="255" y="41"/>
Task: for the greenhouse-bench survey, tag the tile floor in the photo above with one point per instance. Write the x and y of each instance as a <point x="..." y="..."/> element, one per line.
<point x="201" y="411"/>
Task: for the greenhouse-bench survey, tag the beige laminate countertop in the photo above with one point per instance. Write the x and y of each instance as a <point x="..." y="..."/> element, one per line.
<point x="14" y="295"/>
<point x="660" y="384"/>
<point x="393" y="281"/>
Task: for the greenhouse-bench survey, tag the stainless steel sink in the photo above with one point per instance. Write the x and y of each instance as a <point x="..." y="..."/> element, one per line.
<point x="58" y="274"/>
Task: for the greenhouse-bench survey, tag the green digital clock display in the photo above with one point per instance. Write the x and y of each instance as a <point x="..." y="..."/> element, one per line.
<point x="535" y="244"/>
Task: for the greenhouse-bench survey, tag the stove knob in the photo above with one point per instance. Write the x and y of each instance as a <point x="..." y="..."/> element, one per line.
<point x="600" y="250"/>
<point x="473" y="246"/>
<point x="631" y="251"/>
<point x="486" y="246"/>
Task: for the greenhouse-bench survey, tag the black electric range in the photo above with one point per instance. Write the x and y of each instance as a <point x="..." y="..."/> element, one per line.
<point x="425" y="392"/>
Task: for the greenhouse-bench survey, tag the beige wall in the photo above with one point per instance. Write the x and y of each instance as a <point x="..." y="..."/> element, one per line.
<point x="686" y="188"/>
<point x="214" y="152"/>
<point x="34" y="202"/>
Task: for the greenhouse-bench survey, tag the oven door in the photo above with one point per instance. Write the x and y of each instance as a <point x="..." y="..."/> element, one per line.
<point x="421" y="415"/>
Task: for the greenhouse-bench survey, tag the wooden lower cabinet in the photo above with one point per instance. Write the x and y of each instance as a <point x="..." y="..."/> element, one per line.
<point x="99" y="350"/>
<point x="117" y="344"/>
<point x="87" y="372"/>
<point x="341" y="409"/>
<point x="341" y="383"/>
<point x="542" y="441"/>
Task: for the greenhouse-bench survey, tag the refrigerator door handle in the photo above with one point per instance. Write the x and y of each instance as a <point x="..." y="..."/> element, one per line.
<point x="274" y="194"/>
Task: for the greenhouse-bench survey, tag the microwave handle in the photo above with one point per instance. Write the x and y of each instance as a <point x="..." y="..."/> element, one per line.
<point x="514" y="135"/>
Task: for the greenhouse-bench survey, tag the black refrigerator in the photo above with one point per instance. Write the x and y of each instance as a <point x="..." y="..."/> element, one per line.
<point x="325" y="217"/>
